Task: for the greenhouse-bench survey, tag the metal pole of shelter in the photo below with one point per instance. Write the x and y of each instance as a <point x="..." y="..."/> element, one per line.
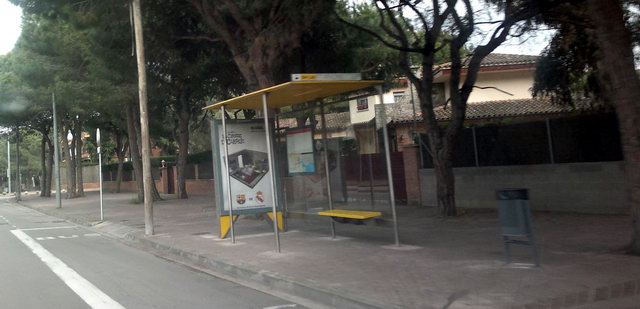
<point x="226" y="172"/>
<point x="387" y="156"/>
<point x="56" y="155"/>
<point x="326" y="166"/>
<point x="272" y="169"/>
<point x="281" y="199"/>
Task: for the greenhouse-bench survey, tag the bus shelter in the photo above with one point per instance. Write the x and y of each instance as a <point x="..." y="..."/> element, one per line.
<point x="250" y="156"/>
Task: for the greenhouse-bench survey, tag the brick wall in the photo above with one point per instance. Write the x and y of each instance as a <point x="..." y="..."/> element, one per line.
<point x="411" y="158"/>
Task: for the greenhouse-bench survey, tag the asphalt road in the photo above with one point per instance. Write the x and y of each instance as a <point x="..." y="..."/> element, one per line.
<point x="49" y="263"/>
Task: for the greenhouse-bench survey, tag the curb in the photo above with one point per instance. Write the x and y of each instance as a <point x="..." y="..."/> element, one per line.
<point x="244" y="274"/>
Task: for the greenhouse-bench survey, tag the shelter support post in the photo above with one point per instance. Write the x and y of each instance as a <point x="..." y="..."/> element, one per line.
<point x="282" y="200"/>
<point x="228" y="178"/>
<point x="387" y="155"/>
<point x="280" y="221"/>
<point x="272" y="168"/>
<point x="326" y="166"/>
<point x="225" y="225"/>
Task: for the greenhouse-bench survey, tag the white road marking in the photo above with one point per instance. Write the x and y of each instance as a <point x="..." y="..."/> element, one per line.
<point x="92" y="235"/>
<point x="50" y="228"/>
<point x="281" y="306"/>
<point x="93" y="296"/>
<point x="45" y="238"/>
<point x="67" y="237"/>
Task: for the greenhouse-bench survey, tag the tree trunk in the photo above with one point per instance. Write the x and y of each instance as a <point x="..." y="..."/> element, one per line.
<point x="133" y="128"/>
<point x="445" y="179"/>
<point x="121" y="150"/>
<point x="134" y="149"/>
<point x="78" y="158"/>
<point x="49" y="166"/>
<point x="183" y="144"/>
<point x="623" y="88"/>
<point x="43" y="165"/>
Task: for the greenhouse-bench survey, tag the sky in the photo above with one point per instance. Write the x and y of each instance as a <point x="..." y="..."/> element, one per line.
<point x="10" y="18"/>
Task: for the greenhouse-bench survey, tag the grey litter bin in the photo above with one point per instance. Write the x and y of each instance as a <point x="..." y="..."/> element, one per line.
<point x="515" y="220"/>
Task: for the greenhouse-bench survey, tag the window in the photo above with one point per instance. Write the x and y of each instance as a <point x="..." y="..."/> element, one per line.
<point x="363" y="104"/>
<point x="397" y="96"/>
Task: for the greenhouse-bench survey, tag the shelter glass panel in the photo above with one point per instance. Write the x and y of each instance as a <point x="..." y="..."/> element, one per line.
<point x="354" y="159"/>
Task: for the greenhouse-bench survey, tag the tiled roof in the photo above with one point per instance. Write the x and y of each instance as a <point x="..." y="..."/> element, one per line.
<point x="492" y="60"/>
<point x="499" y="109"/>
<point x="334" y="121"/>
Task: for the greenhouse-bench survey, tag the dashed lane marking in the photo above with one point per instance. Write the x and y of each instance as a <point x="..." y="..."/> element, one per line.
<point x="66" y="237"/>
<point x="50" y="228"/>
<point x="93" y="296"/>
<point x="281" y="306"/>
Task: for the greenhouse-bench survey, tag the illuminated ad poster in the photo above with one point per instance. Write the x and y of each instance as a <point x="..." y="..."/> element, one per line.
<point x="300" y="157"/>
<point x="248" y="167"/>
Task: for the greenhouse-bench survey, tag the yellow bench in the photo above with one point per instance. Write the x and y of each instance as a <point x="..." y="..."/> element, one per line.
<point x="350" y="214"/>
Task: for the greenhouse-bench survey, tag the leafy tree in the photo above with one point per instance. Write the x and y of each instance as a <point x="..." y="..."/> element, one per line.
<point x="185" y="72"/>
<point x="437" y="26"/>
<point x="591" y="56"/>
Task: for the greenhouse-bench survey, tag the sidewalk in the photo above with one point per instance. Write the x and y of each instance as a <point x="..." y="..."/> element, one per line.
<point x="453" y="263"/>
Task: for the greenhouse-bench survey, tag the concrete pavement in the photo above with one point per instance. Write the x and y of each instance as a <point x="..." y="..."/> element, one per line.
<point x="452" y="263"/>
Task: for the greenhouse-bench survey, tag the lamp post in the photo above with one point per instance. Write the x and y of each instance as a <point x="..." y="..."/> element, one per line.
<point x="9" y="164"/>
<point x="70" y="170"/>
<point x="69" y="140"/>
<point x="100" y="172"/>
<point x="56" y="150"/>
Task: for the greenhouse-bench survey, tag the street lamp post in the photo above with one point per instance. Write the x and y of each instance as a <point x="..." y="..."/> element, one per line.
<point x="9" y="164"/>
<point x="56" y="155"/>
<point x="100" y="172"/>
<point x="69" y="140"/>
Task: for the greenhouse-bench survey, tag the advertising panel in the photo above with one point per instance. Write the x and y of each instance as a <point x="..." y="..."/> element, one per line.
<point x="248" y="167"/>
<point x="300" y="156"/>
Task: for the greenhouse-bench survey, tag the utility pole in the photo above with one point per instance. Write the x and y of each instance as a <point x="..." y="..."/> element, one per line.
<point x="9" y="163"/>
<point x="144" y="119"/>
<point x="56" y="155"/>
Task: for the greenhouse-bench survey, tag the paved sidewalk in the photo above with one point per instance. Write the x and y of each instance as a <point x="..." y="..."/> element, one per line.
<point x="453" y="263"/>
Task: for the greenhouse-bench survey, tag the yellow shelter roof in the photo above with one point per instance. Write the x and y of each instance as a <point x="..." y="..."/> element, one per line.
<point x="291" y="93"/>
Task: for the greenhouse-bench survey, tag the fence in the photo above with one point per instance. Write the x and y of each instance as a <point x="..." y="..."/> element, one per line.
<point x="586" y="138"/>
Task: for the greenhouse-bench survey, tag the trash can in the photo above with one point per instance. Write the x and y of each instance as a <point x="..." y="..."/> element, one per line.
<point x="515" y="216"/>
<point x="515" y="220"/>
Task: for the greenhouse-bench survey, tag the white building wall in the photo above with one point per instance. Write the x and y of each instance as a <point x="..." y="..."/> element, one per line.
<point x="518" y="83"/>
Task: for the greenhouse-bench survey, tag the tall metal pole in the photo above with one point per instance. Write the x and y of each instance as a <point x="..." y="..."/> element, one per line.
<point x="475" y="146"/>
<point x="56" y="155"/>
<point x="272" y="169"/>
<point x="326" y="166"/>
<point x="227" y="170"/>
<point x="100" y="173"/>
<point x="550" y="141"/>
<point x="387" y="156"/>
<point x="18" y="176"/>
<point x="9" y="163"/>
<point x="144" y="120"/>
